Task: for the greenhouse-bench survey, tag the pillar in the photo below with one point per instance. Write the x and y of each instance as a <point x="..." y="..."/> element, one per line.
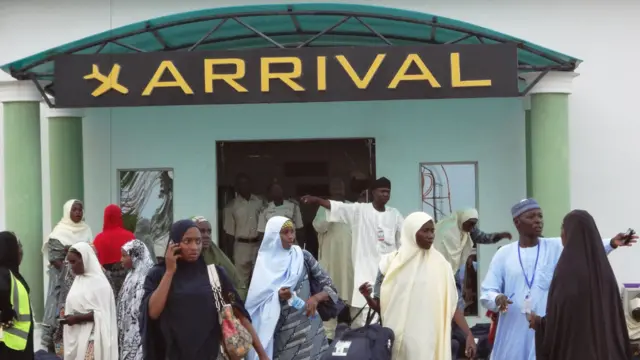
<point x="23" y="179"/>
<point x="65" y="159"/>
<point x="548" y="148"/>
<point x="526" y="102"/>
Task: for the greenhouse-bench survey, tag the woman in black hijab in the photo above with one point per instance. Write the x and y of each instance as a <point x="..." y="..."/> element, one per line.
<point x="585" y="319"/>
<point x="179" y="318"/>
<point x="10" y="258"/>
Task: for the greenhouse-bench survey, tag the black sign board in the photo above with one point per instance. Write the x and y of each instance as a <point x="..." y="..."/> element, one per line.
<point x="287" y="75"/>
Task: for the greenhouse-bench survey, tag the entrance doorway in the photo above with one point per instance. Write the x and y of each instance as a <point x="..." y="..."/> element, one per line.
<point x="300" y="167"/>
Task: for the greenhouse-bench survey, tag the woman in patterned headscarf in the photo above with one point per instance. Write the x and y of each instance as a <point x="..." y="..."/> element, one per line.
<point x="135" y="258"/>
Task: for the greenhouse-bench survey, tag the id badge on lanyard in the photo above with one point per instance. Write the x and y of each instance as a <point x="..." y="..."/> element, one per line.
<point x="527" y="306"/>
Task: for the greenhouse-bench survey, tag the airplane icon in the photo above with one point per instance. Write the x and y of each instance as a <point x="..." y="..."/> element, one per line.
<point x="109" y="82"/>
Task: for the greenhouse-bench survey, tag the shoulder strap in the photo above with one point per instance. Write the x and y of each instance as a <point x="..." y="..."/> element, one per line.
<point x="216" y="287"/>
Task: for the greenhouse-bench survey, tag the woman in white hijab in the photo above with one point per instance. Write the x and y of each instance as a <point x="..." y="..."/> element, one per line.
<point x="70" y="230"/>
<point x="418" y="295"/>
<point x="90" y="325"/>
<point x="284" y="271"/>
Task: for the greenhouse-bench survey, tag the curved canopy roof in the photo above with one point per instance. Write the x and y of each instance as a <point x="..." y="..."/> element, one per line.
<point x="286" y="26"/>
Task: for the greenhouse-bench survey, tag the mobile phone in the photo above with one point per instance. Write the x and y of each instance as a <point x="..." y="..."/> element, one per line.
<point x="177" y="251"/>
<point x="628" y="236"/>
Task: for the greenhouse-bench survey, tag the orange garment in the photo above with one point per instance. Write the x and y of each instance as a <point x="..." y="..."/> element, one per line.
<point x="113" y="236"/>
<point x="494" y="325"/>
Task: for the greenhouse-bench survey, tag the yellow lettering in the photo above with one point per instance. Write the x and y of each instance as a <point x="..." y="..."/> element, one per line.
<point x="178" y="80"/>
<point x="107" y="82"/>
<point x="322" y="73"/>
<point x="364" y="82"/>
<point x="456" y="76"/>
<point x="266" y="75"/>
<point x="210" y="75"/>
<point x="402" y="75"/>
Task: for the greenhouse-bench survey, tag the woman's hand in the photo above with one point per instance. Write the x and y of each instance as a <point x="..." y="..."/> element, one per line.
<point x="171" y="257"/>
<point x="57" y="264"/>
<point x="532" y="318"/>
<point x="312" y="306"/>
<point x="366" y="289"/>
<point x="470" y="347"/>
<point x="620" y="240"/>
<point x="6" y="324"/>
<point x="503" y="302"/>
<point x="284" y="294"/>
<point x="70" y="320"/>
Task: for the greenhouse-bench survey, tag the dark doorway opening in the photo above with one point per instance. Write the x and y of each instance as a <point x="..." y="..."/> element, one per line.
<point x="301" y="167"/>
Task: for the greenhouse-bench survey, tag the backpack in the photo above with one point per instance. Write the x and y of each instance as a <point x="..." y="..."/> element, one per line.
<point x="370" y="342"/>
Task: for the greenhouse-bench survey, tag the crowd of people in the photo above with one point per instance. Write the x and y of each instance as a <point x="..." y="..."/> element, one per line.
<point x="259" y="295"/>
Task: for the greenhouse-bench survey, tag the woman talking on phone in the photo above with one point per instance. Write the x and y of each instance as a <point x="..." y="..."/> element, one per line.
<point x="179" y="317"/>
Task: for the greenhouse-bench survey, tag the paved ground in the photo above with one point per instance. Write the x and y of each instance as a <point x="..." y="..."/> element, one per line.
<point x="37" y="335"/>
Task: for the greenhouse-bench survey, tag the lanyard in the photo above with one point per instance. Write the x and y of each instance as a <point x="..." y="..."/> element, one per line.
<point x="526" y="279"/>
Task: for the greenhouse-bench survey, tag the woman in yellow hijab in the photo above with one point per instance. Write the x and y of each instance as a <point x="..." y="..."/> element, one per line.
<point x="418" y="294"/>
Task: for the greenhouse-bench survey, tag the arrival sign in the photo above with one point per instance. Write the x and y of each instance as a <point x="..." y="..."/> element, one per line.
<point x="287" y="75"/>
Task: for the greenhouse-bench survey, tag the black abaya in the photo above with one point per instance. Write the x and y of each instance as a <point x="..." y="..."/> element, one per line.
<point x="585" y="319"/>
<point x="188" y="327"/>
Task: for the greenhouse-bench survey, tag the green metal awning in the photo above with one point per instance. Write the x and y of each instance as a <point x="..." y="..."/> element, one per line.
<point x="285" y="26"/>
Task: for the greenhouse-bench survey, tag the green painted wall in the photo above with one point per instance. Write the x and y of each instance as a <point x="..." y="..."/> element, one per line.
<point x="23" y="190"/>
<point x="550" y="158"/>
<point x="65" y="159"/>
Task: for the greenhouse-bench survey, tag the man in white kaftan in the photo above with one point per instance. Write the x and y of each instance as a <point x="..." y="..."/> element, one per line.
<point x="335" y="247"/>
<point x="518" y="280"/>
<point x="375" y="230"/>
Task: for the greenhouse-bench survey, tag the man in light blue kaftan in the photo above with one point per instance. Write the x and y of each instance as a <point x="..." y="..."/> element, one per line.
<point x="518" y="280"/>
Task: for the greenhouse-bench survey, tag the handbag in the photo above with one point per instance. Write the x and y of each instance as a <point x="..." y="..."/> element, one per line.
<point x="236" y="339"/>
<point x="326" y="309"/>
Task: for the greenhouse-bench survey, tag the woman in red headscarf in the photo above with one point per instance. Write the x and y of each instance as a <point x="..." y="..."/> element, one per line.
<point x="109" y="244"/>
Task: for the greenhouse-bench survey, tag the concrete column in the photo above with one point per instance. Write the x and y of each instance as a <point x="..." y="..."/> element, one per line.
<point x="23" y="179"/>
<point x="548" y="148"/>
<point x="526" y="103"/>
<point x="65" y="159"/>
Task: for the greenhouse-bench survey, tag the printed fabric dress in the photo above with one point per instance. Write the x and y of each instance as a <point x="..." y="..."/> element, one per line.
<point x="129" y="300"/>
<point x="298" y="337"/>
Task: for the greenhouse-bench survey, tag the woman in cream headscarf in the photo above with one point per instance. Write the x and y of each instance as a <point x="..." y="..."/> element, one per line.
<point x="70" y="230"/>
<point x="453" y="236"/>
<point x="418" y="295"/>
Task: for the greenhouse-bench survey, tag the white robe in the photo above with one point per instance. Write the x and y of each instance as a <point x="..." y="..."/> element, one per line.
<point x="335" y="251"/>
<point x="91" y="292"/>
<point x="366" y="223"/>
